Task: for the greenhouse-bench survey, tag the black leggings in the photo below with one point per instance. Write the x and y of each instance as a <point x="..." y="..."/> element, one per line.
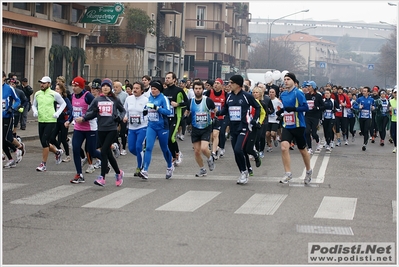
<point x="8" y="137"/>
<point x="364" y="128"/>
<point x="106" y="139"/>
<point x="393" y="132"/>
<point x="383" y="122"/>
<point x="351" y="126"/>
<point x="311" y="129"/>
<point x="327" y="129"/>
<point x="122" y="133"/>
<point x="61" y="132"/>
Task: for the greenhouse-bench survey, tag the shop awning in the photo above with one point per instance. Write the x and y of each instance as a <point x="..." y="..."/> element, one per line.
<point x="20" y="30"/>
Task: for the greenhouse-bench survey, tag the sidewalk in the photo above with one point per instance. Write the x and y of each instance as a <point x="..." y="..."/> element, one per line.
<point x="32" y="131"/>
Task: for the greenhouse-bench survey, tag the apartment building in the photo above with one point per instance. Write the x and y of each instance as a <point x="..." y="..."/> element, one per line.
<point x="205" y="40"/>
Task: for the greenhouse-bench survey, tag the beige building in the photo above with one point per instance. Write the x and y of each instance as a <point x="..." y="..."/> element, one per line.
<point x="205" y="40"/>
<point x="30" y="31"/>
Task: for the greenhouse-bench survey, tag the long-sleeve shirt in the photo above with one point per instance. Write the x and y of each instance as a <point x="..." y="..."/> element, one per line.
<point x="134" y="107"/>
<point x="157" y="118"/>
<point x="367" y="104"/>
<point x="294" y="98"/>
<point x="10" y="99"/>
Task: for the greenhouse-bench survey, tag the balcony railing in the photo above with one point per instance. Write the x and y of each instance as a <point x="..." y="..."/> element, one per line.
<point x="170" y="44"/>
<point x="117" y="37"/>
<point x="207" y="25"/>
<point x="206" y="56"/>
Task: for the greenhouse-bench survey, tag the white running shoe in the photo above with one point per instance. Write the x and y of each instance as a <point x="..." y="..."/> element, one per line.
<point x="243" y="178"/>
<point x="179" y="159"/>
<point x="90" y="169"/>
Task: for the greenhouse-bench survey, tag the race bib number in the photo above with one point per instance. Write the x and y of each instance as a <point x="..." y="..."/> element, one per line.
<point x="77" y="112"/>
<point x="289" y="118"/>
<point x="310" y="104"/>
<point x="235" y="113"/>
<point x="135" y="119"/>
<point x="365" y="114"/>
<point x="172" y="109"/>
<point x="201" y="117"/>
<point x="3" y="104"/>
<point x="153" y="115"/>
<point x="105" y="108"/>
<point x="218" y="106"/>
<point x="384" y="109"/>
<point x="328" y="114"/>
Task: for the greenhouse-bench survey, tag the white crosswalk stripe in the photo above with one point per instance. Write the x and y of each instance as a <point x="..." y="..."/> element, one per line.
<point x="50" y="195"/>
<point x="119" y="199"/>
<point x="189" y="201"/>
<point x="262" y="204"/>
<point x="341" y="208"/>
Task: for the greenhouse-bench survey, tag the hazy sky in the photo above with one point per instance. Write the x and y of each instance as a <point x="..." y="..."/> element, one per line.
<point x="367" y="11"/>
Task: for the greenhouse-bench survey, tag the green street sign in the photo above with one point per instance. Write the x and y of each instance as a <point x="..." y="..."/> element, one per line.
<point x="103" y="14"/>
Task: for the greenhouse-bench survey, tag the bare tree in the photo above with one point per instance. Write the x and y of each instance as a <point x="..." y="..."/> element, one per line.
<point x="386" y="64"/>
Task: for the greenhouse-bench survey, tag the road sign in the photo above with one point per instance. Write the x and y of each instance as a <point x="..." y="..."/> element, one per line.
<point x="322" y="65"/>
<point x="370" y="66"/>
<point x="103" y="14"/>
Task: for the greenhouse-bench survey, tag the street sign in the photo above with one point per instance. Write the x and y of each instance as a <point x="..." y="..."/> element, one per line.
<point x="103" y="14"/>
<point x="322" y="65"/>
<point x="370" y="66"/>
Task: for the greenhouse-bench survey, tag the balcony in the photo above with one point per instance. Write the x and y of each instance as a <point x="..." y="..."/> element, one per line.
<point x="170" y="44"/>
<point x="116" y="37"/>
<point x="206" y="56"/>
<point x="207" y="25"/>
<point x="171" y="8"/>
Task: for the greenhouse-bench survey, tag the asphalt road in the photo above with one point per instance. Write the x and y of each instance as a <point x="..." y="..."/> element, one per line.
<point x="190" y="220"/>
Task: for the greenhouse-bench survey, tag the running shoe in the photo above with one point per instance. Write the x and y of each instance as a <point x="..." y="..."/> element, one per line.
<point x="319" y="147"/>
<point x="275" y="142"/>
<point x="83" y="161"/>
<point x="97" y="165"/>
<point x="137" y="172"/>
<point x="123" y="152"/>
<point x="328" y="148"/>
<point x="310" y="151"/>
<point x="10" y="164"/>
<point x="364" y="148"/>
<point x="394" y="150"/>
<point x="373" y="139"/>
<point x="286" y="178"/>
<point x="181" y="137"/>
<point x="58" y="156"/>
<point x="23" y="148"/>
<point x="308" y="176"/>
<point x="18" y="155"/>
<point x="211" y="163"/>
<point x="214" y="155"/>
<point x="169" y="172"/>
<point x="143" y="174"/>
<point x="250" y="172"/>
<point x="78" y="179"/>
<point x="261" y="154"/>
<point x="242" y="179"/>
<point x="346" y="142"/>
<point x="258" y="161"/>
<point x="116" y="150"/>
<point x="119" y="178"/>
<point x="100" y="181"/>
<point x="41" y="167"/>
<point x="90" y="169"/>
<point x="221" y="152"/>
<point x="269" y="149"/>
<point x="67" y="159"/>
<point x="382" y="143"/>
<point x="390" y="140"/>
<point x="201" y="173"/>
<point x="353" y="138"/>
<point x="179" y="158"/>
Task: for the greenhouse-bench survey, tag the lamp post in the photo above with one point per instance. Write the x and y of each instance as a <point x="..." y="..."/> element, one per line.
<point x="270" y="32"/>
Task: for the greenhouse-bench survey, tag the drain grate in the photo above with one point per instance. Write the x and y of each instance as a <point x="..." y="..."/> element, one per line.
<point x="329" y="230"/>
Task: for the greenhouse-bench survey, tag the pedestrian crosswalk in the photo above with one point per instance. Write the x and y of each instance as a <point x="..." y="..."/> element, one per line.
<point x="330" y="207"/>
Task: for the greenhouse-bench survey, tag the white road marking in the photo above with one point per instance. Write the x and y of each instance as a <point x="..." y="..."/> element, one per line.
<point x="119" y="199"/>
<point x="322" y="171"/>
<point x="189" y="201"/>
<point x="10" y="186"/>
<point x="51" y="195"/>
<point x="341" y="208"/>
<point x="262" y="204"/>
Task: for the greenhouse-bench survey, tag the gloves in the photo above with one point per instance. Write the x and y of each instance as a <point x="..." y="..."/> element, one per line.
<point x="21" y="110"/>
<point x="56" y="115"/>
<point x="151" y="105"/>
<point x="217" y="113"/>
<point x="35" y="114"/>
<point x="214" y="120"/>
<point x="145" y="112"/>
<point x="289" y="109"/>
<point x="279" y="112"/>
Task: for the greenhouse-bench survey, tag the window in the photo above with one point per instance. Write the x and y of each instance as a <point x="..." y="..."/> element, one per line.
<point x="76" y="13"/>
<point x="170" y="28"/>
<point x="200" y="16"/>
<point x="59" y="11"/>
<point x="24" y="6"/>
<point x="40" y="8"/>
<point x="74" y="41"/>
